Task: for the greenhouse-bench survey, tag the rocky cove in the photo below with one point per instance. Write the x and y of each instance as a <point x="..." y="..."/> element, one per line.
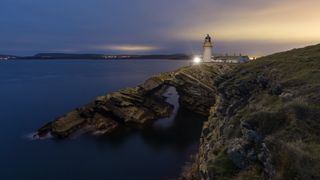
<point x="262" y="116"/>
<point x="140" y="106"/>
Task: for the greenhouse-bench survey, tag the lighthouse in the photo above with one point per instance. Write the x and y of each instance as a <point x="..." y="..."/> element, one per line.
<point x="207" y="49"/>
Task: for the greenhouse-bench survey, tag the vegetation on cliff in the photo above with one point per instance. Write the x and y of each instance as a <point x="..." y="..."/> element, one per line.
<point x="265" y="124"/>
<point x="263" y="116"/>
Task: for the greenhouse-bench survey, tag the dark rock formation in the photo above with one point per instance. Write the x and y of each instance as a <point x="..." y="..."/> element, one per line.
<point x="140" y="106"/>
<point x="265" y="122"/>
<point x="263" y="116"/>
<point x="195" y="85"/>
<point x="110" y="112"/>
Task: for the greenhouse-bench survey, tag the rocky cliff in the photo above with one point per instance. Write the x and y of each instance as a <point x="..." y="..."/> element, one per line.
<point x="265" y="122"/>
<point x="138" y="107"/>
<point x="263" y="116"/>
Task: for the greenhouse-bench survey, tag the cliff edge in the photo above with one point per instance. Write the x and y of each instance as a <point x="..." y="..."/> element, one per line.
<point x="140" y="106"/>
<point x="263" y="116"/>
<point x="265" y="122"/>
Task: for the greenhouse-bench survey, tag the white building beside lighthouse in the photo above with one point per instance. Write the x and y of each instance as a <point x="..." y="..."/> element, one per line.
<point x="208" y="56"/>
<point x="207" y="49"/>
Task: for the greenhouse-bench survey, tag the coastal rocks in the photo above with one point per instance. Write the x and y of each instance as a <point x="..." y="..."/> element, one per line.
<point x="156" y="82"/>
<point x="238" y="152"/>
<point x="195" y="85"/>
<point x="103" y="125"/>
<point x="228" y="140"/>
<point x="196" y="92"/>
<point x="67" y="124"/>
<point x="286" y="95"/>
<point x="110" y="112"/>
<point x="140" y="106"/>
<point x="263" y="116"/>
<point x="264" y="123"/>
<point x="130" y="106"/>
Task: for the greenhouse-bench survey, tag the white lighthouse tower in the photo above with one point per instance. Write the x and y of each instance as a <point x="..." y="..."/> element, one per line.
<point x="207" y="49"/>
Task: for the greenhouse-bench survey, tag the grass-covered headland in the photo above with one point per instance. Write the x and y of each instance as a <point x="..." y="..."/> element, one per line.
<point x="265" y="123"/>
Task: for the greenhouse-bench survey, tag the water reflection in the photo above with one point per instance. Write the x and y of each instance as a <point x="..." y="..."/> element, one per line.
<point x="34" y="92"/>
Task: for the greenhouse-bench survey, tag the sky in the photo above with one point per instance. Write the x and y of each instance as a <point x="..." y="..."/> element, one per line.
<point x="253" y="27"/>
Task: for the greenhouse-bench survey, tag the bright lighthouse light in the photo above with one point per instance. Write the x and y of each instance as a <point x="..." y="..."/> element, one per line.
<point x="197" y="60"/>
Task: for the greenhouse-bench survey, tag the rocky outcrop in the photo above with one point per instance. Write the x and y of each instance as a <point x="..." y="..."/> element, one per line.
<point x="263" y="116"/>
<point x="140" y="106"/>
<point x="265" y="122"/>
<point x="195" y="85"/>
<point x="109" y="112"/>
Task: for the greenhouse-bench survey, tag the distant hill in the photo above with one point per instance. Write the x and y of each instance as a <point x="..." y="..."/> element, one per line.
<point x="103" y="56"/>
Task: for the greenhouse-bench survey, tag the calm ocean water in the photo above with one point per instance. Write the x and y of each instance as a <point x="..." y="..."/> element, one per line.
<point x="35" y="92"/>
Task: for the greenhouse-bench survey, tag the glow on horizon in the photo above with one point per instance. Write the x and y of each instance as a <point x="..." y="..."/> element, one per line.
<point x="127" y="47"/>
<point x="257" y="27"/>
<point x="284" y="21"/>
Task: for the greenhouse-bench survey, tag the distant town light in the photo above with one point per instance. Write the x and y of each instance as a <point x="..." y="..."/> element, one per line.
<point x="197" y="60"/>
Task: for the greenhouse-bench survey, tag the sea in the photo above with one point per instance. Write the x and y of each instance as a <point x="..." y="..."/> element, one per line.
<point x="34" y="92"/>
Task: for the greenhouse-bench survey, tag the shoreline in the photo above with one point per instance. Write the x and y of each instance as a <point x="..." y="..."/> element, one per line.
<point x="256" y="111"/>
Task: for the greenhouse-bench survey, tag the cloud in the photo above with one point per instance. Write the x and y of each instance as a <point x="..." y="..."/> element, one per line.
<point x="275" y="21"/>
<point x="126" y="47"/>
<point x="144" y="25"/>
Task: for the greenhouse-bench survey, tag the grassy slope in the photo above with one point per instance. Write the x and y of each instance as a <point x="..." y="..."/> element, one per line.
<point x="280" y="96"/>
